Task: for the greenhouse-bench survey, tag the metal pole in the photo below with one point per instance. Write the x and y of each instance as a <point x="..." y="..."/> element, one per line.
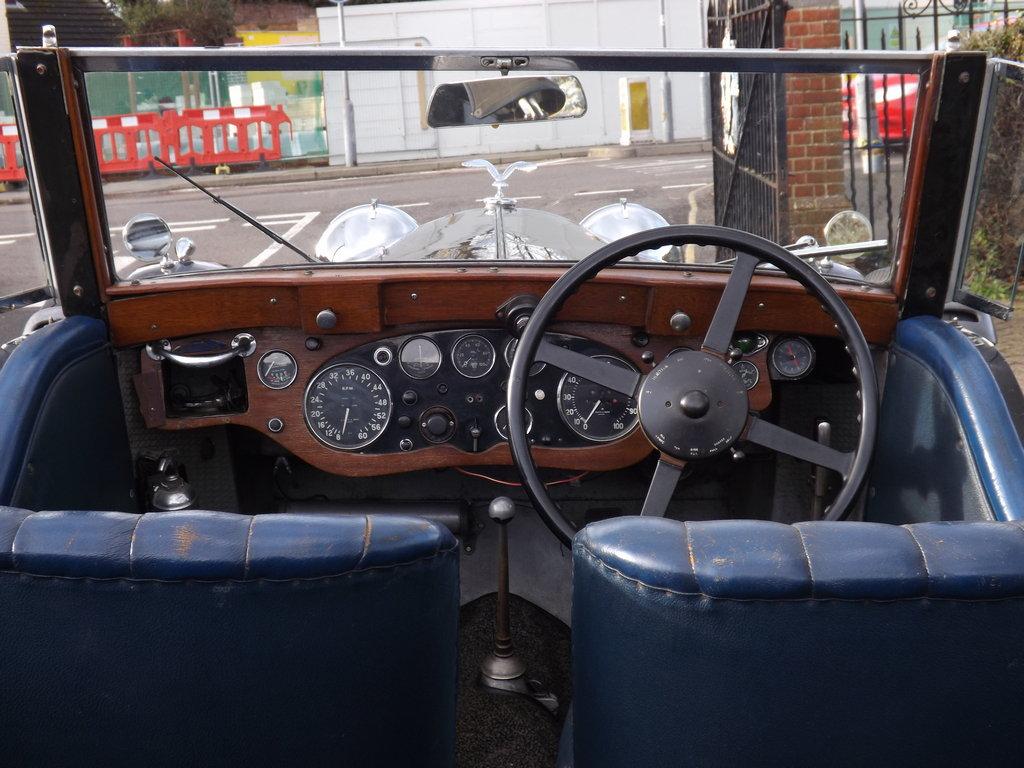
<point x="862" y="85"/>
<point x="348" y="120"/>
<point x="667" y="127"/>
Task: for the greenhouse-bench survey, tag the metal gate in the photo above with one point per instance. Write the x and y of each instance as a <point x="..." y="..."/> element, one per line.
<point x="748" y="118"/>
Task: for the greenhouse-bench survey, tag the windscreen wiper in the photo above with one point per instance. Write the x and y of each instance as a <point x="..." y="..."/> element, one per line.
<point x="238" y="212"/>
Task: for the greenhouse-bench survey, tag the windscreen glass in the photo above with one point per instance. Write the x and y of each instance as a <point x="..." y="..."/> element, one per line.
<point x="420" y="167"/>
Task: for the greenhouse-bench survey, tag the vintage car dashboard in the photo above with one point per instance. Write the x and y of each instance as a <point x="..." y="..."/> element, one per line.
<point x="419" y="359"/>
<point x="434" y="397"/>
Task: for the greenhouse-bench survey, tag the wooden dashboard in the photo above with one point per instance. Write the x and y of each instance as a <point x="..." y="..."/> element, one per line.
<point x="618" y="309"/>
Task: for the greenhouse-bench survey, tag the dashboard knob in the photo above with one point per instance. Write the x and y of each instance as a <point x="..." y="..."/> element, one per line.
<point x="680" y="321"/>
<point x="326" y="319"/>
<point x="437" y="424"/>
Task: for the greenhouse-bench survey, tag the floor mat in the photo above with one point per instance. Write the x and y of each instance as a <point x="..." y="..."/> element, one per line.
<point x="498" y="731"/>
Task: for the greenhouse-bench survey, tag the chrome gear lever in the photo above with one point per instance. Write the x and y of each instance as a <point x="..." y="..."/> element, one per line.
<point x="503" y="670"/>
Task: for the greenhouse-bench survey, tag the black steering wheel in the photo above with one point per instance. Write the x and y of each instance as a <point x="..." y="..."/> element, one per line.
<point x="692" y="405"/>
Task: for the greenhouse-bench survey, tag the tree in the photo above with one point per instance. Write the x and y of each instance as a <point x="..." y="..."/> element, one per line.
<point x="151" y="22"/>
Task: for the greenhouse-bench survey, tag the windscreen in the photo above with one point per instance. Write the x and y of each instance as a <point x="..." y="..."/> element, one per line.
<point x="422" y="167"/>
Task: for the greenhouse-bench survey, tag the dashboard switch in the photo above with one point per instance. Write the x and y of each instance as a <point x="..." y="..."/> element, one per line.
<point x="409" y="397"/>
<point x="404" y="422"/>
<point x="275" y="424"/>
<point x="405" y="444"/>
<point x="437" y="424"/>
<point x="326" y="319"/>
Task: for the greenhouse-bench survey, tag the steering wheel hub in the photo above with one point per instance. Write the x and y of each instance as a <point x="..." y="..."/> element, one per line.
<point x="693" y="406"/>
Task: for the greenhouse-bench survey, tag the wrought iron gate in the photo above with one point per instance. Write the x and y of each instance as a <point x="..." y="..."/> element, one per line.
<point x="748" y="118"/>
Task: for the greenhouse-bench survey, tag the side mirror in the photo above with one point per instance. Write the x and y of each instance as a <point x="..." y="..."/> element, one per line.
<point x="147" y="237"/>
<point x="506" y="100"/>
<point x="848" y="227"/>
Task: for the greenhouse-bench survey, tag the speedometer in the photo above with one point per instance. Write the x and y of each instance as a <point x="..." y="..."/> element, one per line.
<point x="347" y="406"/>
<point x="594" y="412"/>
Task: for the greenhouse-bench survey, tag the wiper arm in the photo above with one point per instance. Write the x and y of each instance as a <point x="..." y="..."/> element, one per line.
<point x="238" y="212"/>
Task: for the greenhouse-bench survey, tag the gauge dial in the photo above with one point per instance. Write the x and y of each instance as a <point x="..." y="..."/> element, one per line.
<point x="473" y="356"/>
<point x="510" y="353"/>
<point x="594" y="412"/>
<point x="420" y="358"/>
<point x="501" y="421"/>
<point x="347" y="406"/>
<point x="277" y="369"/>
<point x="747" y="372"/>
<point x="793" y="357"/>
<point x="749" y="343"/>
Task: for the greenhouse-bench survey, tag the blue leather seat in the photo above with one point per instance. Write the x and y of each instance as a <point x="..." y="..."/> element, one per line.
<point x="741" y="643"/>
<point x="213" y="639"/>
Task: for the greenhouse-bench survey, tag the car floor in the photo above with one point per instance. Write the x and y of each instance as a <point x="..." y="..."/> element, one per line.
<point x="499" y="730"/>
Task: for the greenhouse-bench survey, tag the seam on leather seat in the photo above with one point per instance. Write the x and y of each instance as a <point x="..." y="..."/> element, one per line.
<point x="131" y="547"/>
<point x="689" y="550"/>
<point x="807" y="557"/>
<point x="675" y="592"/>
<point x="293" y="580"/>
<point x="248" y="547"/>
<point x="14" y="539"/>
<point x="367" y="532"/>
<point x="924" y="560"/>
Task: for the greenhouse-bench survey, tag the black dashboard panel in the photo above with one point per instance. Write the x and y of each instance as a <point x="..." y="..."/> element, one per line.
<point x="448" y="387"/>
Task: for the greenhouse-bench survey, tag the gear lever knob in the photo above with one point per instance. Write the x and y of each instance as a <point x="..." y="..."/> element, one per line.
<point x="502" y="509"/>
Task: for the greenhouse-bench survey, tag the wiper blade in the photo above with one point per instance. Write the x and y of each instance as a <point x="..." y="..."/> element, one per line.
<point x="238" y="212"/>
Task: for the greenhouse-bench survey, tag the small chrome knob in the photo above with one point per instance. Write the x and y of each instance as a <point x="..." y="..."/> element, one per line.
<point x="502" y="509"/>
<point x="326" y="319"/>
<point x="680" y="321"/>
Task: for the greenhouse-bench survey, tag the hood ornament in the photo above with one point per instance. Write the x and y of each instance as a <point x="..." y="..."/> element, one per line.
<point x="500" y="180"/>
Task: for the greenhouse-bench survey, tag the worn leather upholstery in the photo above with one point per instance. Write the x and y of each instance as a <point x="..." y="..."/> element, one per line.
<point x="947" y="447"/>
<point x="213" y="639"/>
<point x="748" y="643"/>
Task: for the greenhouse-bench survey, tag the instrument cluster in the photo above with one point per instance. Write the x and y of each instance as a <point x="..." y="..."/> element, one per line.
<point x="448" y="387"/>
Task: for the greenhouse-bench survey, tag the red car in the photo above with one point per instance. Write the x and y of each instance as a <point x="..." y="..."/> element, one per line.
<point x="895" y="103"/>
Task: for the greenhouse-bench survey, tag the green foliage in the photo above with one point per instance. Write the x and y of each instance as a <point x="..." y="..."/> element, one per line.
<point x="1005" y="42"/>
<point x="208" y="22"/>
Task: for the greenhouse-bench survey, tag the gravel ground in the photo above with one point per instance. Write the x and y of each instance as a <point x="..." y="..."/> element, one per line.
<point x="1010" y="335"/>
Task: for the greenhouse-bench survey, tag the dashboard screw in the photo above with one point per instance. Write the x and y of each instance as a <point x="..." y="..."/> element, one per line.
<point x="77" y="290"/>
<point x="931" y="292"/>
<point x="40" y="69"/>
<point x="414" y="296"/>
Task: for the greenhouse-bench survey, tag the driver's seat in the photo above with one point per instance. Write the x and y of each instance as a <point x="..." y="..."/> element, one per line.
<point x="754" y="643"/>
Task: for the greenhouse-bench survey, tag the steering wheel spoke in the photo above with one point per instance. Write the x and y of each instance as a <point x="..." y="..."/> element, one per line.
<point x="621" y="380"/>
<point x="768" y="435"/>
<point x="727" y="313"/>
<point x="663" y="485"/>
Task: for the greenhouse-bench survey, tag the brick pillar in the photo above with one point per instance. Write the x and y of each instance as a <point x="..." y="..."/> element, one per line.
<point x="814" y="128"/>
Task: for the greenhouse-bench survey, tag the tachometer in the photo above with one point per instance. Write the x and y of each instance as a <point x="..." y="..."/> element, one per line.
<point x="347" y="406"/>
<point x="594" y="412"/>
<point x="473" y="356"/>
<point x="793" y="357"/>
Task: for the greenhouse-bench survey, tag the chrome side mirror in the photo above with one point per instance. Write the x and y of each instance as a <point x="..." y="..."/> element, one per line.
<point x="848" y="227"/>
<point x="146" y="237"/>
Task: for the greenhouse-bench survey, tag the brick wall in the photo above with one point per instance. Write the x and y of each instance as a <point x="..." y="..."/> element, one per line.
<point x="814" y="132"/>
<point x="280" y="16"/>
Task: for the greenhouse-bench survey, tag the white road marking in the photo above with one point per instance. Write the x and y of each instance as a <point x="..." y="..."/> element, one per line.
<point x="602" y="192"/>
<point x="6" y="242"/>
<point x="270" y="250"/>
<point x="514" y="197"/>
<point x="197" y="221"/>
<point x="411" y="205"/>
<point x="561" y="161"/>
<point x="685" y="186"/>
<point x="20" y="234"/>
<point x="204" y="228"/>
<point x="654" y="164"/>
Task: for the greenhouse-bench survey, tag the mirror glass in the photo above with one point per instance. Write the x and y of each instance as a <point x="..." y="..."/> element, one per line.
<point x="147" y="237"/>
<point x="506" y="100"/>
<point x="993" y="242"/>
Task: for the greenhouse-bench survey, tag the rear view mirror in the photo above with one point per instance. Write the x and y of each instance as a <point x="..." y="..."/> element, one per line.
<point x="506" y="100"/>
<point x="147" y="237"/>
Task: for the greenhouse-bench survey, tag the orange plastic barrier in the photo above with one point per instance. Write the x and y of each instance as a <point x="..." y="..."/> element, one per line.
<point x="127" y="143"/>
<point x="224" y="135"/>
<point x="12" y="167"/>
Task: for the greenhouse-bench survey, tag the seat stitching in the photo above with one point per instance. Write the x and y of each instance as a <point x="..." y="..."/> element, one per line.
<point x="17" y="530"/>
<point x="248" y="546"/>
<point x="131" y="547"/>
<point x="693" y="560"/>
<point x="367" y="533"/>
<point x="924" y="561"/>
<point x="807" y="557"/>
<point x="678" y="593"/>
